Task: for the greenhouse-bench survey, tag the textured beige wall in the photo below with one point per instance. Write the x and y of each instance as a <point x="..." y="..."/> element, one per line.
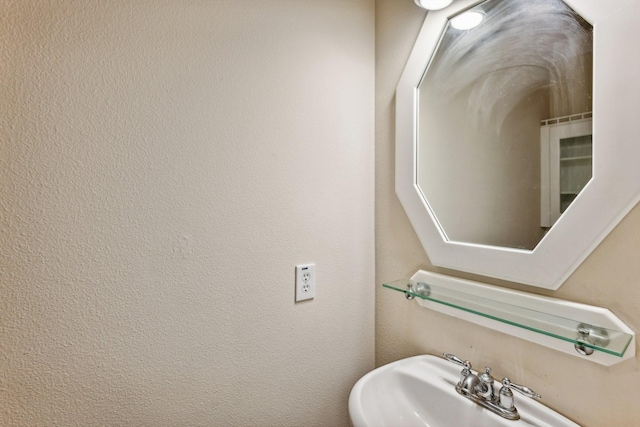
<point x="164" y="165"/>
<point x="590" y="394"/>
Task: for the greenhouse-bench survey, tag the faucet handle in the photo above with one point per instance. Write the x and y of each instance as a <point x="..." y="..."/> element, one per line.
<point x="506" y="383"/>
<point x="464" y="363"/>
<point x="455" y="359"/>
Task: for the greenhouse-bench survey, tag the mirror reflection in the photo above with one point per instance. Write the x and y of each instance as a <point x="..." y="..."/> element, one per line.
<point x="504" y="121"/>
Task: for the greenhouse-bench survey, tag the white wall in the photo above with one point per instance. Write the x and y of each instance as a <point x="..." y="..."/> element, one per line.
<point x="164" y="165"/>
<point x="493" y="170"/>
<point x="590" y="394"/>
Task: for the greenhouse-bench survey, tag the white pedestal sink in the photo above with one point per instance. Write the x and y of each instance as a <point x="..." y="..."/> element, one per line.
<point x="420" y="391"/>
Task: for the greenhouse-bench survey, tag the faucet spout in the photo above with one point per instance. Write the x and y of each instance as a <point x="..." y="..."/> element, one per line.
<point x="470" y="383"/>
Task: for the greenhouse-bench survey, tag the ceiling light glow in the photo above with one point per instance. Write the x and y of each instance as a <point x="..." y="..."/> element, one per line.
<point x="433" y="4"/>
<point x="467" y="20"/>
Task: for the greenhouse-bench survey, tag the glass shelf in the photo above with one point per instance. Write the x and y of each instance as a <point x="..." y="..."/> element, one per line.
<point x="574" y="331"/>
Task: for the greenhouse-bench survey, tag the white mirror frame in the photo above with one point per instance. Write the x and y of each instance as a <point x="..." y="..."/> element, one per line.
<point x="612" y="192"/>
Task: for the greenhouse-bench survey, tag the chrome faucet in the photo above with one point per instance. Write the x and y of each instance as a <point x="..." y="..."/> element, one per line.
<point x="480" y="388"/>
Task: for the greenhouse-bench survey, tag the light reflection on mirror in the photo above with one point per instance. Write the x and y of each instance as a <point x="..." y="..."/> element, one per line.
<point x="504" y="122"/>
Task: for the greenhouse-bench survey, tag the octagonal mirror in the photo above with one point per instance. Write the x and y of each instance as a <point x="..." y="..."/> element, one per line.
<point x="488" y="95"/>
<point x="514" y="156"/>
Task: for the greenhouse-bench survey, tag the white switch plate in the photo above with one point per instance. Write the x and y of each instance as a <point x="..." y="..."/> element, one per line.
<point x="305" y="282"/>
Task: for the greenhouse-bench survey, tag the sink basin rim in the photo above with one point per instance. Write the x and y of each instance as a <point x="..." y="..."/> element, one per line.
<point x="394" y="383"/>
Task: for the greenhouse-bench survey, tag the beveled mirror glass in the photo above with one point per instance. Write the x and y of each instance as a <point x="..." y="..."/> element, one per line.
<point x="486" y="97"/>
<point x="572" y="66"/>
